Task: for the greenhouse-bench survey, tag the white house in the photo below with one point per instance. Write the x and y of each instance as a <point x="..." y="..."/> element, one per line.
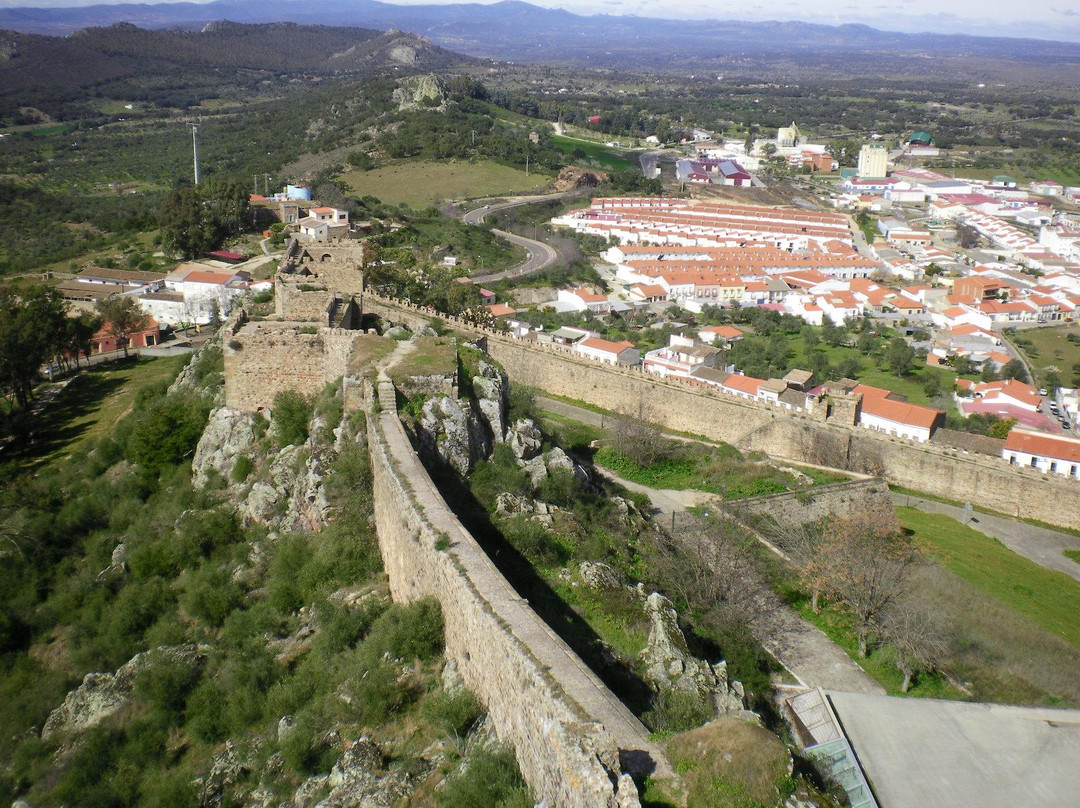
<point x="611" y="353"/>
<point x="584" y="300"/>
<point x="1051" y="454"/>
<point x="884" y="411"/>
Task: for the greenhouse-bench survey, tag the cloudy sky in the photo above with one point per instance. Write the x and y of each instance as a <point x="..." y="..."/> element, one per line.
<point x="1058" y="19"/>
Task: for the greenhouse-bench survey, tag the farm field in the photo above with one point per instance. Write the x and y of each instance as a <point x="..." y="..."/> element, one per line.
<point x="418" y="183"/>
<point x="604" y="157"/>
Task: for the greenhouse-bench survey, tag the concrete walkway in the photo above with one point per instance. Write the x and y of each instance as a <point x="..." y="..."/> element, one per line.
<point x="811" y="657"/>
<point x="1038" y="544"/>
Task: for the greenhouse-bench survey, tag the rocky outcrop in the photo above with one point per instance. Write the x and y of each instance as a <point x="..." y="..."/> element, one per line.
<point x="228" y="435"/>
<point x="453" y="433"/>
<point x="540" y="467"/>
<point x="524" y="439"/>
<point x="102" y="694"/>
<point x="492" y="391"/>
<point x="361" y="779"/>
<point x="669" y="665"/>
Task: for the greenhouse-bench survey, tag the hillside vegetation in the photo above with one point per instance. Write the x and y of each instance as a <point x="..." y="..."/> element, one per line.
<point x="249" y="663"/>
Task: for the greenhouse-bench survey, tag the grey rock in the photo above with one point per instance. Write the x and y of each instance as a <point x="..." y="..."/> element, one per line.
<point x="228" y="434"/>
<point x="397" y="332"/>
<point x="492" y="390"/>
<point x="285" y="726"/>
<point x="452" y="680"/>
<point x="425" y="331"/>
<point x="599" y="575"/>
<point x="305" y="794"/>
<point x="524" y="439"/>
<point x="102" y="694"/>
<point x="261" y="504"/>
<point x="452" y="433"/>
<point x="669" y="665"/>
<point x="359" y="779"/>
<point x="227" y="770"/>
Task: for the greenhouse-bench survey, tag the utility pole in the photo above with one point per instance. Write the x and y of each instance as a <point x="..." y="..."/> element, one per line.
<point x="195" y="148"/>
<point x="473" y="133"/>
<point x="256" y="178"/>
<point x="266" y="184"/>
<point x="526" y="165"/>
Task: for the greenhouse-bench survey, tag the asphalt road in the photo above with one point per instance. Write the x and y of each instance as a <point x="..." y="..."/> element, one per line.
<point x="539" y="255"/>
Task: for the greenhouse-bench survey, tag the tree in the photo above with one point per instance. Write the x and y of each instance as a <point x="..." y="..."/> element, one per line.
<point x="122" y="316"/>
<point x="866" y="563"/>
<point x="803" y="544"/>
<point x="900" y="356"/>
<point x="638" y="439"/>
<point x="918" y="640"/>
<point x="1014" y="369"/>
<point x="32" y="329"/>
<point x="1001" y="428"/>
<point x="79" y="335"/>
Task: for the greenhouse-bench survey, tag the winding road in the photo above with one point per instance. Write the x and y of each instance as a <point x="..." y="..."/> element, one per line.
<point x="539" y="255"/>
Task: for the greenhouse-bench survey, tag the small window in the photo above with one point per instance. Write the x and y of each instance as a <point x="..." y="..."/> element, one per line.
<point x="1034" y="462"/>
<point x="1053" y="465"/>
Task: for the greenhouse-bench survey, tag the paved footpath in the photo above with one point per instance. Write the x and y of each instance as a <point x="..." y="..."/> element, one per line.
<point x="1039" y="544"/>
<point x="801" y="647"/>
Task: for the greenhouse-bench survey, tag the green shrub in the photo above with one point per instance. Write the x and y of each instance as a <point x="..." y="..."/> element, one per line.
<point x="165" y="683"/>
<point x="454" y="714"/>
<point x="167" y="431"/>
<point x="407" y="632"/>
<point x="493" y="778"/>
<point x="534" y="541"/>
<point x="378" y="694"/>
<point x="291" y="555"/>
<point x="292" y="415"/>
<point x="210" y="593"/>
<point x="242" y="468"/>
<point x="677" y="711"/>
<point x="305" y="748"/>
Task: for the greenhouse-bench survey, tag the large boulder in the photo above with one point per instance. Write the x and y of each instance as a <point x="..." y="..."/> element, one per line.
<point x="102" y="694"/>
<point x="669" y="665"/>
<point x="524" y="439"/>
<point x="361" y="779"/>
<point x="453" y="433"/>
<point x="492" y="390"/>
<point x="228" y="434"/>
<point x="540" y="467"/>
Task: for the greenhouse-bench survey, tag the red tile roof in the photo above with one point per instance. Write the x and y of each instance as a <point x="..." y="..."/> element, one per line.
<point x="876" y="402"/>
<point x="1045" y="445"/>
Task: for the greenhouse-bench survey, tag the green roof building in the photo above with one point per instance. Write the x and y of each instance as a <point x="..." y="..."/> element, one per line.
<point x="921" y="139"/>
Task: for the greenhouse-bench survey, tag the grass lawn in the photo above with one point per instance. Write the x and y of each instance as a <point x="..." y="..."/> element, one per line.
<point x="433" y="356"/>
<point x="1050" y="599"/>
<point x="418" y="183"/>
<point x="88" y="409"/>
<point x="1049" y="349"/>
<point x="597" y="153"/>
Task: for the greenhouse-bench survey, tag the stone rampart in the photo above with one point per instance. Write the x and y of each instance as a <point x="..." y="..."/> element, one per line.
<point x="572" y="737"/>
<point x="815" y="504"/>
<point x="684" y="406"/>
<point x="263" y="359"/>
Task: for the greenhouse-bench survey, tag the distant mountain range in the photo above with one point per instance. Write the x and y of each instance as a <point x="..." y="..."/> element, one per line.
<point x="517" y="31"/>
<point x="127" y="61"/>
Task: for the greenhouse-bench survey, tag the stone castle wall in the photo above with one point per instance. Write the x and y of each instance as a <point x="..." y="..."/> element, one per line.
<point x="684" y="406"/>
<point x="263" y="359"/>
<point x="572" y="737"/>
<point x="815" y="504"/>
